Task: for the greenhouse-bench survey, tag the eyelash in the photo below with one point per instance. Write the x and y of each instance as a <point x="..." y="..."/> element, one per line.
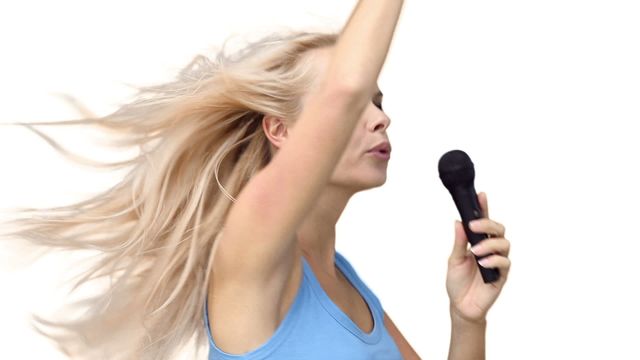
<point x="378" y="105"/>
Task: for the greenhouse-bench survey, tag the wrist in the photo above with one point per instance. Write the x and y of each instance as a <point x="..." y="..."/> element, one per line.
<point x="458" y="320"/>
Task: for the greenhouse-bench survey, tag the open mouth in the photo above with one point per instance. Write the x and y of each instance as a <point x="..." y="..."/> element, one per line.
<point x="379" y="151"/>
<point x="382" y="154"/>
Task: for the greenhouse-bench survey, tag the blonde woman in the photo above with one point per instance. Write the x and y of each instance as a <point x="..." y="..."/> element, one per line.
<point x="222" y="235"/>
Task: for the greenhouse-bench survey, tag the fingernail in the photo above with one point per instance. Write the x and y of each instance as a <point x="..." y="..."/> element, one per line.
<point x="475" y="249"/>
<point x="473" y="225"/>
<point x="483" y="262"/>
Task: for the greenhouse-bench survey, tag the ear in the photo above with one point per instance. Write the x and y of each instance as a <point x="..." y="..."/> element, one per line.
<point x="275" y="129"/>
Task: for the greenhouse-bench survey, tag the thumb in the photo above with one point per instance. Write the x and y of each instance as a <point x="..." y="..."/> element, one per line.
<point x="459" y="252"/>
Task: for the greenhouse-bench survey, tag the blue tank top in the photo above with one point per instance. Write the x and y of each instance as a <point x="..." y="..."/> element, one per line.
<point x="315" y="328"/>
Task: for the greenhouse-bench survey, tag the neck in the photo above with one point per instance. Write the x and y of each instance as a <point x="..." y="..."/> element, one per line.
<point x="317" y="234"/>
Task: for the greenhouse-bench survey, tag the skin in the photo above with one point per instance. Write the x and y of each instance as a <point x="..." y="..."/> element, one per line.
<point x="356" y="171"/>
<point x="470" y="299"/>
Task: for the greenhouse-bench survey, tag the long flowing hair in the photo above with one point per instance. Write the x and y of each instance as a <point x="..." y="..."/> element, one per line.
<point x="200" y="138"/>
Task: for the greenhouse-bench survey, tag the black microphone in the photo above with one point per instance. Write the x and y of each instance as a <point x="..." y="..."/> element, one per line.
<point x="457" y="174"/>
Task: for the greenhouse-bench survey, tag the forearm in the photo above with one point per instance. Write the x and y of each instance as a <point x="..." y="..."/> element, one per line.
<point x="363" y="43"/>
<point x="467" y="339"/>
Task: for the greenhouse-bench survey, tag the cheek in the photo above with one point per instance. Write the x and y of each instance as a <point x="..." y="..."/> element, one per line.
<point x="356" y="166"/>
<point x="349" y="165"/>
<point x="354" y="160"/>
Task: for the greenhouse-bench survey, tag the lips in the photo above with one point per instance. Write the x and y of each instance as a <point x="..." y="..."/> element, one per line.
<point x="383" y="147"/>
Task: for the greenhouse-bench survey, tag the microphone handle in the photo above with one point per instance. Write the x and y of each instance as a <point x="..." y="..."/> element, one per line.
<point x="466" y="200"/>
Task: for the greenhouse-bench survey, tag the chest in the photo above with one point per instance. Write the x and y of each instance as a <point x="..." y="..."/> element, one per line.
<point x="341" y="292"/>
<point x="349" y="300"/>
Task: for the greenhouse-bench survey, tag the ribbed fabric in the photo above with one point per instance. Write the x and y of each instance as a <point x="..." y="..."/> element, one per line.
<point x="315" y="328"/>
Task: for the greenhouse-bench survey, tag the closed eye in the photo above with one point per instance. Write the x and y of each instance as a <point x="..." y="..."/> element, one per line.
<point x="378" y="96"/>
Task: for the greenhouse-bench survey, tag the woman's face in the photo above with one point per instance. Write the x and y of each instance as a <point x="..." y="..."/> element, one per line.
<point x="358" y="169"/>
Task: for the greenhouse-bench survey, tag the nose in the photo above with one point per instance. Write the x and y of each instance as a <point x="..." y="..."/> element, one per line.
<point x="380" y="123"/>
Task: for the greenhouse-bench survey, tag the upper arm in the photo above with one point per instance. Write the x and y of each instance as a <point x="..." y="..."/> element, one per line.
<point x="259" y="232"/>
<point x="403" y="345"/>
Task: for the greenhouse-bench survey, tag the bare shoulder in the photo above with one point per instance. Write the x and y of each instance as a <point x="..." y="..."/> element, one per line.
<point x="405" y="348"/>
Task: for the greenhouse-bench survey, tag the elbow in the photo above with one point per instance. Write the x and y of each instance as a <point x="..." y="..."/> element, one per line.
<point x="352" y="93"/>
<point x="348" y="86"/>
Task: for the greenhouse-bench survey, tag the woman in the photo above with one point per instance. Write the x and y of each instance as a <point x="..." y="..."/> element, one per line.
<point x="293" y="126"/>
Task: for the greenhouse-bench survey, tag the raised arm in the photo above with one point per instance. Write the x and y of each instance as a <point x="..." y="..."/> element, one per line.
<point x="260" y="230"/>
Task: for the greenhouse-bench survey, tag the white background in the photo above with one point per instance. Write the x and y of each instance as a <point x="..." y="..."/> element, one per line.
<point x="543" y="95"/>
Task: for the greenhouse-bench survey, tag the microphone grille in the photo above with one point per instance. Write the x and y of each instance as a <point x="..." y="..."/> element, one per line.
<point x="456" y="168"/>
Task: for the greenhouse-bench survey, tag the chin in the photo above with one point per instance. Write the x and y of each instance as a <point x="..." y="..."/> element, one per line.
<point x="361" y="180"/>
<point x="371" y="182"/>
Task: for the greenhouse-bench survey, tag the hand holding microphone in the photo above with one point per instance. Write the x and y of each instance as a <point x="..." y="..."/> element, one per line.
<point x="470" y="296"/>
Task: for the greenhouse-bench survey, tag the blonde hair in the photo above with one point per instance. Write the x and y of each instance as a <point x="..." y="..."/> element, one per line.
<point x="200" y="140"/>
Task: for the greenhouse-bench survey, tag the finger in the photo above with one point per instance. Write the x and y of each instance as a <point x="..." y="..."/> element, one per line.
<point x="459" y="252"/>
<point x="496" y="261"/>
<point x="484" y="205"/>
<point x="491" y="246"/>
<point x="487" y="226"/>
